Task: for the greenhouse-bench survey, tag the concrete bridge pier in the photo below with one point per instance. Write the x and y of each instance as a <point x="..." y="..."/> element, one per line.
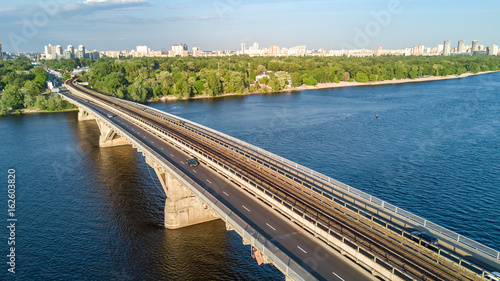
<point x="182" y="208"/>
<point x="109" y="136"/>
<point x="83" y="115"/>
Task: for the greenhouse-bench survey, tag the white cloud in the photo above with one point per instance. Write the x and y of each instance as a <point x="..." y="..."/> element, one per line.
<point x="89" y="6"/>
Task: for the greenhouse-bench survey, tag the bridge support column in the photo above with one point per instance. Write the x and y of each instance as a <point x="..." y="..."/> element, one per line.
<point x="109" y="137"/>
<point x="83" y="115"/>
<point x="182" y="208"/>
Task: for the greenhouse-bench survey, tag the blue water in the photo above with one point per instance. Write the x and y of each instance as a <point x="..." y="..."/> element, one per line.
<point x="86" y="213"/>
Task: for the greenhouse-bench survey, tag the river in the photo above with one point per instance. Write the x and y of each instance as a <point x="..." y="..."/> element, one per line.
<point x="86" y="213"/>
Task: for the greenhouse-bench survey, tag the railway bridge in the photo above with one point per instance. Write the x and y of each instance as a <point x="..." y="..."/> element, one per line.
<point x="309" y="226"/>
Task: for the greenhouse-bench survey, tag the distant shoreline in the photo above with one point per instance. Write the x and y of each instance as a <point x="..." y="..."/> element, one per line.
<point x="321" y="86"/>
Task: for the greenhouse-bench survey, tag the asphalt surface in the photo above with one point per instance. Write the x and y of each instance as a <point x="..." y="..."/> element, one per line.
<point x="311" y="253"/>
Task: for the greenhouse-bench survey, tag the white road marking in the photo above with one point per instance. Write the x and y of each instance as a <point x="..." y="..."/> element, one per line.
<point x="225" y="193"/>
<point x="194" y="171"/>
<point x="245" y="208"/>
<point x="209" y="181"/>
<point x="271" y="226"/>
<point x="152" y="142"/>
<point x="162" y="148"/>
<point x="172" y="155"/>
<point x="182" y="162"/>
<point x="338" y="276"/>
<point x="302" y="249"/>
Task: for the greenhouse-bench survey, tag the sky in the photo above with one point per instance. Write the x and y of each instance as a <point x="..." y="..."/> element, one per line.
<point x="28" y="25"/>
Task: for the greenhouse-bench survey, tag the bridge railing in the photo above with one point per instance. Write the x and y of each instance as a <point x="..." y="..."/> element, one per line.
<point x="357" y="194"/>
<point x="278" y="258"/>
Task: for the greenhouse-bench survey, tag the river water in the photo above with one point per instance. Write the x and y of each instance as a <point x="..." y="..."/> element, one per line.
<point x="86" y="213"/>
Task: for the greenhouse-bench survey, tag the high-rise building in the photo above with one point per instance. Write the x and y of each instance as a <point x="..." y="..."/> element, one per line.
<point x="70" y="49"/>
<point x="461" y="46"/>
<point x="59" y="51"/>
<point x="81" y="52"/>
<point x="493" y="51"/>
<point x="440" y="48"/>
<point x="178" y="50"/>
<point x="274" y="51"/>
<point x="475" y="46"/>
<point x="142" y="50"/>
<point x="243" y="47"/>
<point x="446" y="48"/>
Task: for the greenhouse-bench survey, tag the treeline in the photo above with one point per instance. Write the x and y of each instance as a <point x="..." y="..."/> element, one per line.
<point x="141" y="79"/>
<point x="23" y="86"/>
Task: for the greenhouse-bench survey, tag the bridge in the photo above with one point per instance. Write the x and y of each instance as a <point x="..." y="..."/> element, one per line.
<point x="307" y="225"/>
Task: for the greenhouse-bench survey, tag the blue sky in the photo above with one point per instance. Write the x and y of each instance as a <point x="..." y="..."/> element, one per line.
<point x="27" y="25"/>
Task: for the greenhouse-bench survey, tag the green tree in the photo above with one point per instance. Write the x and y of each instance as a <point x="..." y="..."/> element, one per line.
<point x="12" y="97"/>
<point x="361" y="77"/>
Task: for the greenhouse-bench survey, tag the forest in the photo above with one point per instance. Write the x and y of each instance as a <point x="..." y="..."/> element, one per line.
<point x="24" y="86"/>
<point x="143" y="79"/>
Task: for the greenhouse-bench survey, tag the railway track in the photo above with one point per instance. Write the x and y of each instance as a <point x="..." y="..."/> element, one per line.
<point x="370" y="242"/>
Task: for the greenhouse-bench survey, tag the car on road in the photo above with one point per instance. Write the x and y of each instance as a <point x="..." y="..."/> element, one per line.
<point x="494" y="276"/>
<point x="193" y="162"/>
<point x="110" y="115"/>
<point x="86" y="101"/>
<point x="425" y="237"/>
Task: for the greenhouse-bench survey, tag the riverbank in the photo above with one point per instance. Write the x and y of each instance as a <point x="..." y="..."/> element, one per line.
<point x="385" y="82"/>
<point x="320" y="86"/>
<point x="31" y="111"/>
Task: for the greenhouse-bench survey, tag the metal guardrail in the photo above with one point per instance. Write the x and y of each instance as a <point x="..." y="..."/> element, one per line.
<point x="279" y="259"/>
<point x="353" y="192"/>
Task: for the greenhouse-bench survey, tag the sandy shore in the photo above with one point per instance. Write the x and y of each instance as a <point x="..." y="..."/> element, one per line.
<point x="337" y="85"/>
<point x="385" y="82"/>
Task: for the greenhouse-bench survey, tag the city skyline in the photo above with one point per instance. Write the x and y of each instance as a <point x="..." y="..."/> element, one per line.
<point x="224" y="24"/>
<point x="255" y="49"/>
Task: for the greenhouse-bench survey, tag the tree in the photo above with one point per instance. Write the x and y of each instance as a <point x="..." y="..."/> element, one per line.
<point x="310" y="81"/>
<point x="373" y="77"/>
<point x="66" y="76"/>
<point x="214" y="85"/>
<point x="361" y="77"/>
<point x="40" y="103"/>
<point x="12" y="97"/>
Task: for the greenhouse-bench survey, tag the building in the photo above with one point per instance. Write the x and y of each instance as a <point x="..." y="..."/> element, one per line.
<point x="493" y="51"/>
<point x="178" y="50"/>
<point x="142" y="51"/>
<point x="440" y="48"/>
<point x="274" y="51"/>
<point x="475" y="46"/>
<point x="446" y="48"/>
<point x="81" y="52"/>
<point x="50" y="52"/>
<point x="196" y="51"/>
<point x="461" y="46"/>
<point x="243" y="47"/>
<point x="112" y="54"/>
<point x="297" y="51"/>
<point x="59" y="50"/>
